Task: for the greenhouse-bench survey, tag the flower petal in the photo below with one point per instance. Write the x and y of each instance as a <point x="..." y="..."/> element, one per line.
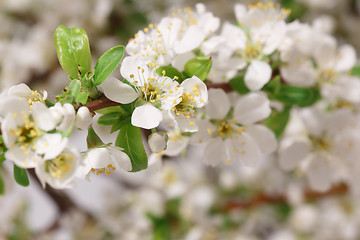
<point x="292" y="151"/>
<point x="134" y="70"/>
<point x="118" y="91"/>
<point x="264" y="137"/>
<point x="346" y="58"/>
<point x="43" y="117"/>
<point x="257" y="75"/>
<point x="191" y="39"/>
<point x="51" y="145"/>
<point x="214" y="152"/>
<point x="146" y="116"/>
<point x="218" y="105"/>
<point x="121" y="159"/>
<point x="252" y="108"/>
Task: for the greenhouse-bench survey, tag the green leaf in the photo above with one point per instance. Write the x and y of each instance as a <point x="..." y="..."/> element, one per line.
<point x="73" y="51"/>
<point x="355" y="71"/>
<point x="107" y="63"/>
<point x="2" y="158"/>
<point x="170" y="72"/>
<point x="129" y="138"/>
<point x="238" y="85"/>
<point x="116" y="119"/>
<point x="2" y="185"/>
<point x="82" y="97"/>
<point x="299" y="96"/>
<point x="75" y="86"/>
<point x="110" y="118"/>
<point x="277" y="121"/>
<point x="92" y="139"/>
<point x="110" y="109"/>
<point x="21" y="176"/>
<point x="198" y="66"/>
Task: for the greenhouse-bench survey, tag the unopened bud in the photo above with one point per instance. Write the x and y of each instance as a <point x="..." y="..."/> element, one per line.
<point x="83" y="118"/>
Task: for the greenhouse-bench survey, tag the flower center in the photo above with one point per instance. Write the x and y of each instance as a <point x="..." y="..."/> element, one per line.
<point x="321" y="143"/>
<point x="26" y="134"/>
<point x="59" y="166"/>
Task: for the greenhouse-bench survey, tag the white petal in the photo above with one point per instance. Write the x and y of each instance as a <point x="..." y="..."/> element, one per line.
<point x="186" y="125"/>
<point x="264" y="137"/>
<point x="346" y="58"/>
<point x="13" y="104"/>
<point x="214" y="152"/>
<point x="247" y="150"/>
<point x="252" y="108"/>
<point x="7" y="125"/>
<point x="180" y="60"/>
<point x="98" y="158"/>
<point x="191" y="39"/>
<point x="42" y="116"/>
<point x="240" y="11"/>
<point x="292" y="152"/>
<point x="218" y="105"/>
<point x="146" y="116"/>
<point x="51" y="145"/>
<point x="202" y="94"/>
<point x="68" y="117"/>
<point x="319" y="173"/>
<point x="21" y="158"/>
<point x="20" y="90"/>
<point x="133" y="69"/>
<point x="157" y="142"/>
<point x="118" y="91"/>
<point x="121" y="159"/>
<point x="257" y="75"/>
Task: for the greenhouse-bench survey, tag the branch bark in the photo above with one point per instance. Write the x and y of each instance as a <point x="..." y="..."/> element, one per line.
<point x="268" y="199"/>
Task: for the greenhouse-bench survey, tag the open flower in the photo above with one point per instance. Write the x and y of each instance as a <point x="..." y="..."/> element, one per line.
<point x="59" y="171"/>
<point x="156" y="92"/>
<point x="195" y="95"/>
<point x="105" y="160"/>
<point x="235" y="135"/>
<point x="174" y="38"/>
<point x="22" y="131"/>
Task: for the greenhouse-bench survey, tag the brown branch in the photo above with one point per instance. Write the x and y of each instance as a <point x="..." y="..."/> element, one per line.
<point x="268" y="199"/>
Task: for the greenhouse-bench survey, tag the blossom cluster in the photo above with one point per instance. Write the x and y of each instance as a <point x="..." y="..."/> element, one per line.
<point x="245" y="92"/>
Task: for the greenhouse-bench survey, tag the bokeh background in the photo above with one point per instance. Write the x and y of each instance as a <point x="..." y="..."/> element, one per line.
<point x="184" y="199"/>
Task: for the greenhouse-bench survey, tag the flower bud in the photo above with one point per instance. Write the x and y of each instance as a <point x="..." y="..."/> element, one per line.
<point x="83" y="118"/>
<point x="157" y="141"/>
<point x="64" y="115"/>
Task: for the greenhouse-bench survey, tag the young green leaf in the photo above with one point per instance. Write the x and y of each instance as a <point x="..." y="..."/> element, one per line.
<point x="75" y="86"/>
<point x="2" y="158"/>
<point x="21" y="176"/>
<point x="170" y="72"/>
<point x="73" y="51"/>
<point x="355" y="71"/>
<point x="92" y="139"/>
<point x="82" y="97"/>
<point x="277" y="121"/>
<point x="198" y="66"/>
<point x="299" y="96"/>
<point x="107" y="63"/>
<point x="238" y="85"/>
<point x="129" y="138"/>
<point x="110" y="118"/>
<point x="2" y="185"/>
